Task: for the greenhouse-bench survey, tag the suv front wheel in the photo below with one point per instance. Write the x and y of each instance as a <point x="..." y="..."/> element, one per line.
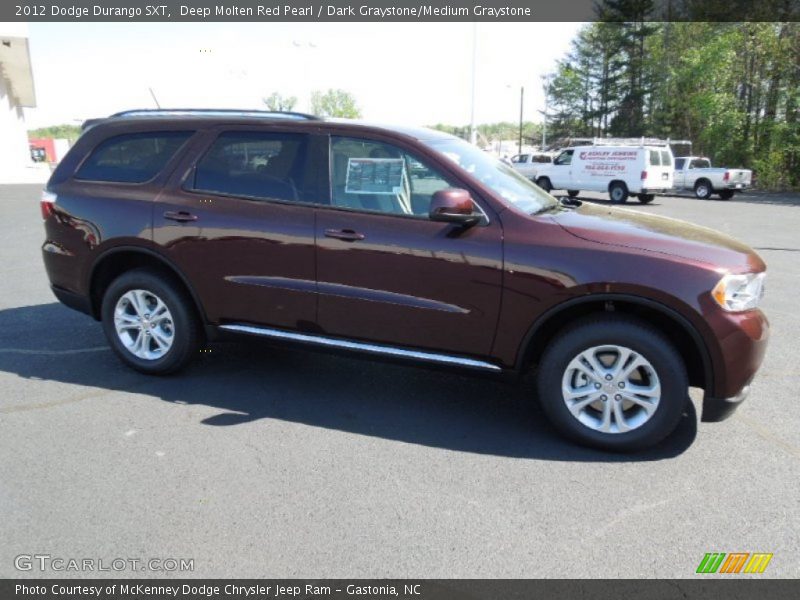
<point x="149" y="322"/>
<point x="614" y="383"/>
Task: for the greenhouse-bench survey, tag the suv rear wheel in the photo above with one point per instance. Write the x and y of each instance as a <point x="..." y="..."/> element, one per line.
<point x="614" y="383"/>
<point x="149" y="322"/>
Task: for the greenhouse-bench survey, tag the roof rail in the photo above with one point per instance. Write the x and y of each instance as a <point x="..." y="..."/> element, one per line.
<point x="167" y="112"/>
<point x="639" y="141"/>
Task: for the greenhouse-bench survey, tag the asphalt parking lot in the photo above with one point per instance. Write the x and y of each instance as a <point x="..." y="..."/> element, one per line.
<point x="286" y="463"/>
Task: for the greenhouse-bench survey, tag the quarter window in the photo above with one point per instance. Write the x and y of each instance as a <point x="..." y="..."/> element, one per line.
<point x="373" y="176"/>
<point x="256" y="165"/>
<point x="132" y="158"/>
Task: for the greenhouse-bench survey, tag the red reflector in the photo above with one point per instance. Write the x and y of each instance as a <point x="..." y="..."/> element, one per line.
<point x="644" y="175"/>
<point x="47" y="209"/>
<point x="47" y="204"/>
<point x="726" y="177"/>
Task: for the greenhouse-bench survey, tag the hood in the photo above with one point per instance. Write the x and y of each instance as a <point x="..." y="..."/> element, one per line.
<point x="634" y="229"/>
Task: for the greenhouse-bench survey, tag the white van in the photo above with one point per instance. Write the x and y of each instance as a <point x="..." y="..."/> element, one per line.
<point x="620" y="170"/>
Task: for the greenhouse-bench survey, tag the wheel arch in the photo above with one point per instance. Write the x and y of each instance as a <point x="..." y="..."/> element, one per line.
<point x="620" y="181"/>
<point x="682" y="333"/>
<point x="119" y="259"/>
<point x="703" y="179"/>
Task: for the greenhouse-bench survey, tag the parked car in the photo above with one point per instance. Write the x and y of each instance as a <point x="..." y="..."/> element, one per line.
<point x="159" y="226"/>
<point x="619" y="170"/>
<point x="528" y="164"/>
<point x="696" y="173"/>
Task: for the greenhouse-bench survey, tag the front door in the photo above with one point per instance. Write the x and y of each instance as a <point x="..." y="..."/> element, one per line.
<point x="388" y="274"/>
<point x="562" y="171"/>
<point x="241" y="226"/>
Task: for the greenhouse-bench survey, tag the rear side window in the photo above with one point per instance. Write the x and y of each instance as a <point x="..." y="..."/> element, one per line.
<point x="679" y="162"/>
<point x="257" y="165"/>
<point x="666" y="158"/>
<point x="132" y="158"/>
<point x="655" y="159"/>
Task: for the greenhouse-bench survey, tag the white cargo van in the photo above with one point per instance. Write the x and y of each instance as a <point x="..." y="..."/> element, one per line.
<point x="619" y="169"/>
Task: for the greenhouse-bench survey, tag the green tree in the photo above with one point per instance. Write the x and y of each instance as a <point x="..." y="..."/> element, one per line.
<point x="733" y="89"/>
<point x="66" y="131"/>
<point x="334" y="103"/>
<point x="278" y="103"/>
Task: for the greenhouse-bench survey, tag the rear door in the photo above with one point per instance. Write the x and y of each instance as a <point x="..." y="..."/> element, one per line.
<point x="386" y="273"/>
<point x="238" y="221"/>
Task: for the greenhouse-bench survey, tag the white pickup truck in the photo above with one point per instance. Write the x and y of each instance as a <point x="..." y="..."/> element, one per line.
<point x="696" y="173"/>
<point x="530" y="163"/>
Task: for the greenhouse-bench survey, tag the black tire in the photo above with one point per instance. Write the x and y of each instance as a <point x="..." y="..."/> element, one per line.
<point x="646" y="198"/>
<point x="618" y="192"/>
<point x="703" y="189"/>
<point x="725" y="194"/>
<point x="184" y="324"/>
<point x="630" y="333"/>
<point x="573" y="193"/>
<point x="544" y="183"/>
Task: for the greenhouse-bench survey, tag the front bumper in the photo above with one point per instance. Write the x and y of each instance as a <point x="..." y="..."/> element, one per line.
<point x="719" y="409"/>
<point x="742" y="344"/>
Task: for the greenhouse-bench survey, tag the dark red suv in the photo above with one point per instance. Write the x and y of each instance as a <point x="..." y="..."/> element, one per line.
<point x="176" y="227"/>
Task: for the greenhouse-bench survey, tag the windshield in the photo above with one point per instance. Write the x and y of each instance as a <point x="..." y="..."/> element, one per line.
<point x="502" y="178"/>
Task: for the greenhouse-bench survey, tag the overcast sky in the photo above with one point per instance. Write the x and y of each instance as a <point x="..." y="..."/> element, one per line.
<point x="415" y="74"/>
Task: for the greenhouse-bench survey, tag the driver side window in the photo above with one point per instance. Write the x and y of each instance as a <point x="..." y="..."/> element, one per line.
<point x="565" y="158"/>
<point x="373" y="176"/>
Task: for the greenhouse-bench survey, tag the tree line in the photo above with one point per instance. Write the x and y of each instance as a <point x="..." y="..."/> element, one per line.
<point x="733" y="89"/>
<point x="331" y="103"/>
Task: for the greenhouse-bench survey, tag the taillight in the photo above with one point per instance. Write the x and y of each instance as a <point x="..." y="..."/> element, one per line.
<point x="644" y="175"/>
<point x="47" y="203"/>
<point x="727" y="176"/>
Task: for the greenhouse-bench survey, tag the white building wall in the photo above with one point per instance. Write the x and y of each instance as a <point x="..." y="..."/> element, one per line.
<point x="14" y="153"/>
<point x="16" y="91"/>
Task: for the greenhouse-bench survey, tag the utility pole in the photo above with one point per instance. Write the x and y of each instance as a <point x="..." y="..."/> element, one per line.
<point x="473" y="132"/>
<point x="521" y="104"/>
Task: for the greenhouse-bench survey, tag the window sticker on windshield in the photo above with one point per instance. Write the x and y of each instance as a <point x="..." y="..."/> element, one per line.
<point x="374" y="176"/>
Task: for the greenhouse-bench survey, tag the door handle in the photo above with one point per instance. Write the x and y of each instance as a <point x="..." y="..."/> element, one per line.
<point x="180" y="216"/>
<point x="347" y="235"/>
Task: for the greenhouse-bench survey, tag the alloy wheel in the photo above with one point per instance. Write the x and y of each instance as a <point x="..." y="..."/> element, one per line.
<point x="144" y="324"/>
<point x="611" y="389"/>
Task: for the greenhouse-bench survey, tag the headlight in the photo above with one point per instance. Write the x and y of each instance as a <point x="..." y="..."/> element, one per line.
<point x="738" y="292"/>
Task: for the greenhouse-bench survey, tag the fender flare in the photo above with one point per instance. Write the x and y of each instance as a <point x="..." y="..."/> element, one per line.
<point x="686" y="324"/>
<point x="152" y="254"/>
